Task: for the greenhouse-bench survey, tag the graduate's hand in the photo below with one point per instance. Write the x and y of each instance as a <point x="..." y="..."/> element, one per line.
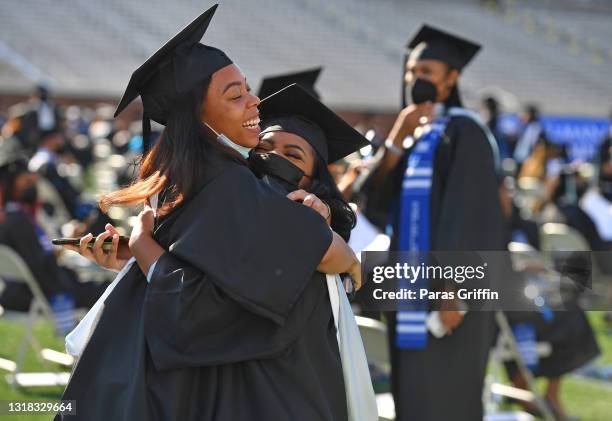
<point x="143" y="228"/>
<point x="355" y="272"/>
<point x="142" y="244"/>
<point x="113" y="259"/>
<point x="450" y="316"/>
<point x="408" y="120"/>
<point x="451" y="319"/>
<point x="355" y="169"/>
<point x="312" y="201"/>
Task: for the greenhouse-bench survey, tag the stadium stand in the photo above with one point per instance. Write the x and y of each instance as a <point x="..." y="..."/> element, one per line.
<point x="533" y="53"/>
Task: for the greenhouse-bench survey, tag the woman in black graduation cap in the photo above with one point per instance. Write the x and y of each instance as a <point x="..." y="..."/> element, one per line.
<point x="438" y="192"/>
<point x="231" y="323"/>
<point x="299" y="137"/>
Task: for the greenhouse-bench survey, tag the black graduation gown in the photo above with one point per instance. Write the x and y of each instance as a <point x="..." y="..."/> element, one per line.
<point x="235" y="324"/>
<point x="569" y="333"/>
<point x="445" y="381"/>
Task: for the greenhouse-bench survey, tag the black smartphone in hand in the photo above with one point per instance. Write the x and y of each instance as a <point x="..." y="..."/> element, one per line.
<point x="75" y="242"/>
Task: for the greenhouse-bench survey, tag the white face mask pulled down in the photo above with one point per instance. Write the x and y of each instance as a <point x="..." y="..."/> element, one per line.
<point x="242" y="150"/>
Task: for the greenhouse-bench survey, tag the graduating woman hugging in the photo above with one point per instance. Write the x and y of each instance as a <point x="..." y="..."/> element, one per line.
<point x="219" y="314"/>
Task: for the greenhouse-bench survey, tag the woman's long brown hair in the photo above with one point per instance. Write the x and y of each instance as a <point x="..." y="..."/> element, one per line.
<point x="175" y="161"/>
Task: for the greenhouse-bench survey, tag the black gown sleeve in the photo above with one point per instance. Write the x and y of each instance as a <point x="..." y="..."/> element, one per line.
<point x="469" y="211"/>
<point x="227" y="288"/>
<point x="190" y="321"/>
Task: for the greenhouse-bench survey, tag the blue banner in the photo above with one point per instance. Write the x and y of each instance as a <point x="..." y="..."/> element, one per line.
<point x="581" y="135"/>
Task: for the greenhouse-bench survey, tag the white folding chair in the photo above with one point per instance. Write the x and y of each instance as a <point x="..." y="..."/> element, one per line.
<point x="555" y="238"/>
<point x="5" y="364"/>
<point x="48" y="194"/>
<point x="374" y="337"/>
<point x="530" y="190"/>
<point x="507" y="349"/>
<point x="561" y="237"/>
<point x="13" y="267"/>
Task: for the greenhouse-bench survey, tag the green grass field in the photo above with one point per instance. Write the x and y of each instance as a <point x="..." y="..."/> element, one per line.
<point x="10" y="337"/>
<point x="587" y="399"/>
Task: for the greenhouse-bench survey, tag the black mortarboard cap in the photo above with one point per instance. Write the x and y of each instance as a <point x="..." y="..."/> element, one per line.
<point x="173" y="71"/>
<point x="433" y="43"/>
<point x="305" y="78"/>
<point x="436" y="44"/>
<point x="294" y="110"/>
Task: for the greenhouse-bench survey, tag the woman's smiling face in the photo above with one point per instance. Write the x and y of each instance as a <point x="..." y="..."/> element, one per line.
<point x="234" y="112"/>
<point x="292" y="147"/>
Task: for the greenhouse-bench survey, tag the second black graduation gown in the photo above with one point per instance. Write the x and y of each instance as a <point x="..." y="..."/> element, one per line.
<point x="445" y="381"/>
<point x="235" y="324"/>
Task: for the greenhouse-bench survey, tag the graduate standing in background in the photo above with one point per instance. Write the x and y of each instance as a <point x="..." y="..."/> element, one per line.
<point x="449" y="174"/>
<point x="217" y="316"/>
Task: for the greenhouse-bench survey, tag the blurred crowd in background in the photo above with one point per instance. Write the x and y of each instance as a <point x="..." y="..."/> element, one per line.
<point x="55" y="161"/>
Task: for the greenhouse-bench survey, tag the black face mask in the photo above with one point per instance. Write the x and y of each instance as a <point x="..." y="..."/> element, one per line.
<point x="29" y="196"/>
<point x="422" y="91"/>
<point x="278" y="172"/>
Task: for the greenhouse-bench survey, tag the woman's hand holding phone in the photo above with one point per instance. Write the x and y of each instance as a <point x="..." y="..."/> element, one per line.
<point x="114" y="258"/>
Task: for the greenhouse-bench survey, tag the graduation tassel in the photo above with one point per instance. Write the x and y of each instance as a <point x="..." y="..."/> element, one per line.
<point x="146" y="134"/>
<point x="404" y="99"/>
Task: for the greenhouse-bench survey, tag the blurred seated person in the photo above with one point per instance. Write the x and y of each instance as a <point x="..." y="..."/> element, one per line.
<point x="605" y="167"/>
<point x="47" y="113"/>
<point x="545" y="164"/>
<point x="28" y="119"/>
<point x="45" y="162"/>
<point x="492" y="116"/>
<point x="531" y="133"/>
<point x="572" y="343"/>
<point x="520" y="229"/>
<point x="599" y="209"/>
<point x="568" y="332"/>
<point x="20" y="232"/>
<point x="564" y="187"/>
<point x="569" y="194"/>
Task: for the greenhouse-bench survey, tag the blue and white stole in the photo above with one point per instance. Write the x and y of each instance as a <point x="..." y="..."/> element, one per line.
<point x="413" y="227"/>
<point x="413" y="232"/>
